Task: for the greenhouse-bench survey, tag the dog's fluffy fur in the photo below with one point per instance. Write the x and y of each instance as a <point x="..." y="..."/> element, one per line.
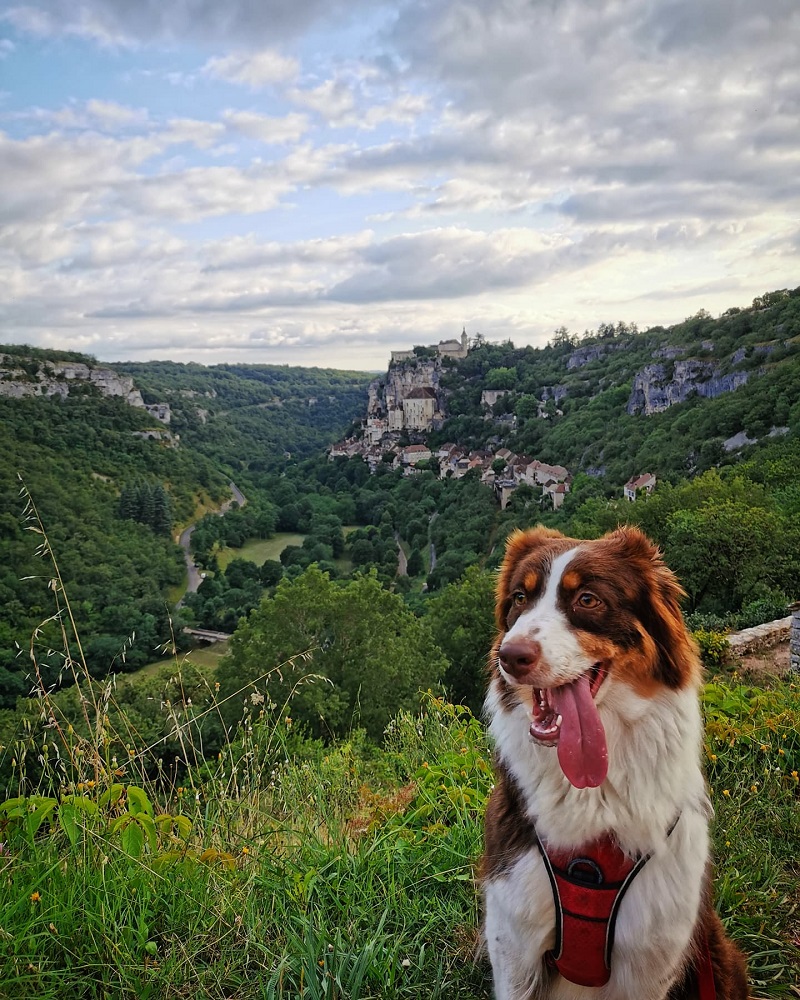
<point x="609" y="609"/>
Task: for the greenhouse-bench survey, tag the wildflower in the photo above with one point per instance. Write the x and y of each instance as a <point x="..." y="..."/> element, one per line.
<point x="713" y="757"/>
<point x="726" y="793"/>
<point x="781" y="751"/>
<point x="131" y="752"/>
<point x="794" y="775"/>
<point x="216" y="686"/>
<point x="256" y="698"/>
<point x="764" y="748"/>
<point x="35" y="897"/>
<point x="245" y="849"/>
<point x="90" y="784"/>
<point x="754" y="788"/>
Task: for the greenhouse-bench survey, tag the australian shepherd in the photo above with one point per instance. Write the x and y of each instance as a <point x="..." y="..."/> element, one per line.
<point x="596" y="869"/>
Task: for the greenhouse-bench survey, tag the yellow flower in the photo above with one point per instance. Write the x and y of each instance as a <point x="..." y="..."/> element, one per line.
<point x="245" y="850"/>
<point x="726" y="793"/>
<point x="795" y="776"/>
<point x="35" y="897"/>
<point x="713" y="757"/>
<point x="764" y="747"/>
<point x="754" y="788"/>
<point x="781" y="751"/>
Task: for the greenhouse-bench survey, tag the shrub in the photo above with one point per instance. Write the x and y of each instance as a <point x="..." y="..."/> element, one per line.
<point x="714" y="646"/>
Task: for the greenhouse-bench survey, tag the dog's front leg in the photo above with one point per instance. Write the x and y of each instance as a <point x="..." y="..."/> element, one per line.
<point x="517" y="933"/>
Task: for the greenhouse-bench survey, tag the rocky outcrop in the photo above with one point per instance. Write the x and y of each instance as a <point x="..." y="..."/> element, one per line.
<point x="20" y="377"/>
<point x="654" y="391"/>
<point x="669" y="353"/>
<point x="584" y="355"/>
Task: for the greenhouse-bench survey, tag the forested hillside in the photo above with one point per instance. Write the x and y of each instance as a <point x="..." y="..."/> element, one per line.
<point x="617" y="401"/>
<point x="110" y="487"/>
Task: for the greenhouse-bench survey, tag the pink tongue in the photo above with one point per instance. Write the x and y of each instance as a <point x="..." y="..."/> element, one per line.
<point x="582" y="750"/>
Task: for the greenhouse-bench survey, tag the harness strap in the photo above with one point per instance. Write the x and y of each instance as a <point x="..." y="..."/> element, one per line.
<point x="588" y="886"/>
<point x="706" y="988"/>
<point x="587" y="890"/>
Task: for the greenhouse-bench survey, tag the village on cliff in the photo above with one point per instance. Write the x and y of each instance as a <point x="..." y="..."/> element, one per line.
<point x="406" y="404"/>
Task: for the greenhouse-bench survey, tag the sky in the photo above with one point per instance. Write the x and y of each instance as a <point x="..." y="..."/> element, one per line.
<point x="318" y="182"/>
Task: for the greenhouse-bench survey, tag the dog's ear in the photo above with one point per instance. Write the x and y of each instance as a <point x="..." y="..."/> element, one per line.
<point x="658" y="607"/>
<point x="519" y="545"/>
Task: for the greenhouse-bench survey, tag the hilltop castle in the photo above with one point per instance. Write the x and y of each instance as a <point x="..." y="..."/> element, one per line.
<point x="444" y="349"/>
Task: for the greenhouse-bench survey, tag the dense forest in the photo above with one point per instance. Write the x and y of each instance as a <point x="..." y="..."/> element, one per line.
<point x="90" y="506"/>
<point x="418" y="550"/>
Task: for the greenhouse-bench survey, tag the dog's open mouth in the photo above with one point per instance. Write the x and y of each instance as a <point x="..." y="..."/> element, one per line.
<point x="566" y="717"/>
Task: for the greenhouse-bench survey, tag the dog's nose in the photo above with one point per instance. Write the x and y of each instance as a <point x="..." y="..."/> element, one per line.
<point x="519" y="657"/>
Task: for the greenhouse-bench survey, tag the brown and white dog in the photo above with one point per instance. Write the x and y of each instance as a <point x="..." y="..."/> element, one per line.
<point x="596" y="869"/>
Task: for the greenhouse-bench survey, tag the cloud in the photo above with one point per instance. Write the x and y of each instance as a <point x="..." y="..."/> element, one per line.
<point x="515" y="165"/>
<point x="266" y="128"/>
<point x="253" y="70"/>
<point x="245" y="23"/>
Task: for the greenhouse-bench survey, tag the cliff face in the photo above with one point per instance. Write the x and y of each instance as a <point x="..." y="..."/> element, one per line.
<point x="20" y="378"/>
<point x="584" y="355"/>
<point x="403" y="378"/>
<point x="654" y="392"/>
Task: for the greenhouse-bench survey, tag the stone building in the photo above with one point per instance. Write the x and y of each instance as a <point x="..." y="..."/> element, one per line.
<point x="419" y="407"/>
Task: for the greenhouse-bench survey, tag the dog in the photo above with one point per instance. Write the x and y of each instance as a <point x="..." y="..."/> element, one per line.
<point x="595" y="874"/>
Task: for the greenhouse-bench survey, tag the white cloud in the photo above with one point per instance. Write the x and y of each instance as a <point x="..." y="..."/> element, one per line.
<point x="253" y="70"/>
<point x="266" y="128"/>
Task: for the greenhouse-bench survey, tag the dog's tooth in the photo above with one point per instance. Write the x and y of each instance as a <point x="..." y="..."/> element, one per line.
<point x="558" y="721"/>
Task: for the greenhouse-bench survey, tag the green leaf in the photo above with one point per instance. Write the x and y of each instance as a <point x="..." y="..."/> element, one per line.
<point x="132" y="837"/>
<point x="138" y="802"/>
<point x="112" y="795"/>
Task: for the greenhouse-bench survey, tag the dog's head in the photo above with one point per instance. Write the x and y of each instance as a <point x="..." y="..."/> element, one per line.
<point x="577" y="616"/>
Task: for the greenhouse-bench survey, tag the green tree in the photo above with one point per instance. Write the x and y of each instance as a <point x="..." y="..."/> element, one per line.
<point x="336" y="655"/>
<point x="461" y="618"/>
<point x="724" y="553"/>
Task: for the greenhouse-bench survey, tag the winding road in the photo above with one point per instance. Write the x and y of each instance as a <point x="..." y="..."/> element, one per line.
<point x="193" y="574"/>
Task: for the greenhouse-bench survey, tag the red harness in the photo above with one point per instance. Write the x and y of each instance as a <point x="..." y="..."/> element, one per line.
<point x="588" y="886"/>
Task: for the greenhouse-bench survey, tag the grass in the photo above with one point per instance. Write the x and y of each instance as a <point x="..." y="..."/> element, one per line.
<point x="204" y="657"/>
<point x="341" y="872"/>
<point x="348" y="871"/>
<point x="258" y="550"/>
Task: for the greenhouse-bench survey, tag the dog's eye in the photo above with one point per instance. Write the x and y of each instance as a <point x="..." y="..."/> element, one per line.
<point x="519" y="598"/>
<point x="588" y="601"/>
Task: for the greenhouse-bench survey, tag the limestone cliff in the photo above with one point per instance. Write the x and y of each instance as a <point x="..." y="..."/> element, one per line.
<point x="654" y="391"/>
<point x="20" y="377"/>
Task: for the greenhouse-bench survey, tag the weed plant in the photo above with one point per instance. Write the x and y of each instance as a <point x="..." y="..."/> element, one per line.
<point x="286" y="868"/>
